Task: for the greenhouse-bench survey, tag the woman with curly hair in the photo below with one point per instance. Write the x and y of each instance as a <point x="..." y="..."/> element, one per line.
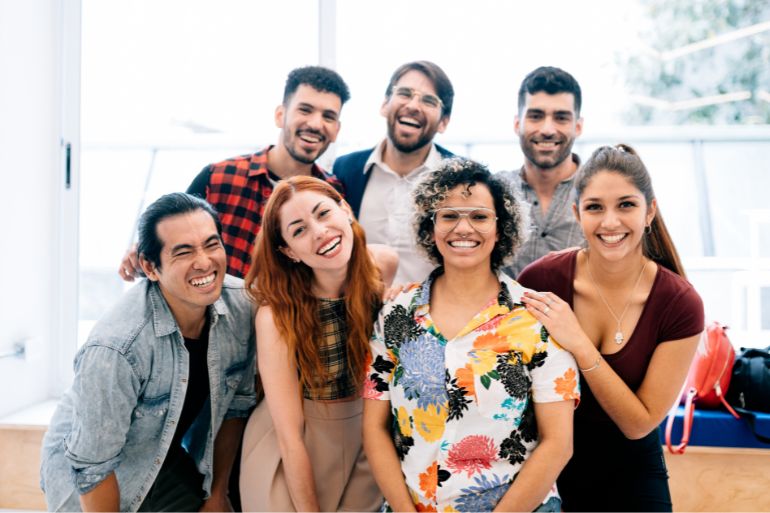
<point x="623" y="308"/>
<point x="318" y="288"/>
<point x="468" y="402"/>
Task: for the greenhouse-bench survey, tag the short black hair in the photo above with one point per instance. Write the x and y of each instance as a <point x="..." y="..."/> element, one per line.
<point x="149" y="244"/>
<point x="435" y="74"/>
<point x="319" y="78"/>
<point x="550" y="80"/>
<point x="433" y="189"/>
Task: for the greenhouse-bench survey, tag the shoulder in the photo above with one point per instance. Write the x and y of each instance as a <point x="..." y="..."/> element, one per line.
<point x="549" y="269"/>
<point x="347" y="164"/>
<point x="235" y="297"/>
<point x="672" y="288"/>
<point x="127" y="322"/>
<point x="237" y="165"/>
<point x="445" y="153"/>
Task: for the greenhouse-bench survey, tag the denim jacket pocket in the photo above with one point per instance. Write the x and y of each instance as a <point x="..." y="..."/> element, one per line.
<point x="152" y="407"/>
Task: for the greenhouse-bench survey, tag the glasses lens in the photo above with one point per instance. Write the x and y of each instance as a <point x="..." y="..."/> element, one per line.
<point x="445" y="219"/>
<point x="430" y="100"/>
<point x="405" y="93"/>
<point x="482" y="220"/>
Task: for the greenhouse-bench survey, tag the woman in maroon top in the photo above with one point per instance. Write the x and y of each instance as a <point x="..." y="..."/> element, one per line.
<point x="624" y="309"/>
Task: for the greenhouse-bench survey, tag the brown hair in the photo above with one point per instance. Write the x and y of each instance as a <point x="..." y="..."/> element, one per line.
<point x="623" y="159"/>
<point x="285" y="286"/>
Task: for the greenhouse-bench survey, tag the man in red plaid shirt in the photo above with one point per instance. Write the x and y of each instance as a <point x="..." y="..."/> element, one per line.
<point x="239" y="187"/>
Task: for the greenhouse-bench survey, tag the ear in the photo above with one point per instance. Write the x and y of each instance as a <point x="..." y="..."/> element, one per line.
<point x="288" y="252"/>
<point x="149" y="269"/>
<point x="280" y="113"/>
<point x="384" y="107"/>
<point x="333" y="136"/>
<point x="442" y="124"/>
<point x="578" y="127"/>
<point x="651" y="211"/>
<point x="576" y="212"/>
<point x="516" y="123"/>
<point x="344" y="205"/>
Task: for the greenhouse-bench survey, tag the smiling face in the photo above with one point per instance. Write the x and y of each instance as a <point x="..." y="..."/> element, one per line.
<point x="309" y="123"/>
<point x="316" y="231"/>
<point x="547" y="128"/>
<point x="613" y="214"/>
<point x="411" y="123"/>
<point x="464" y="247"/>
<point x="192" y="264"/>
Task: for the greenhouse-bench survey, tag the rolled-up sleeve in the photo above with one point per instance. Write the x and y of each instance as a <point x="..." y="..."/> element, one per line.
<point x="105" y="392"/>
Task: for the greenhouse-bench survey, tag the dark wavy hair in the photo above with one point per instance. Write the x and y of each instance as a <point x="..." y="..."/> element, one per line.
<point x="149" y="244"/>
<point x="319" y="78"/>
<point x="623" y="159"/>
<point x="435" y="74"/>
<point x="435" y="187"/>
<point x="550" y="80"/>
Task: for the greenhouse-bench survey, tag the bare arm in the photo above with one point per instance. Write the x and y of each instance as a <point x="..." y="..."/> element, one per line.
<point x="382" y="456"/>
<point x="282" y="393"/>
<point x="129" y="267"/>
<point x="386" y="259"/>
<point x="636" y="414"/>
<point x="104" y="497"/>
<point x="225" y="448"/>
<point x="539" y="472"/>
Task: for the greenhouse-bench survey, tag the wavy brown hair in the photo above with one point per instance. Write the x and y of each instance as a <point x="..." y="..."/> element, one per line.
<point x="285" y="286"/>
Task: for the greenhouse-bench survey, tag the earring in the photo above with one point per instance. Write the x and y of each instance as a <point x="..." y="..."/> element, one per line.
<point x="350" y="220"/>
<point x="648" y="229"/>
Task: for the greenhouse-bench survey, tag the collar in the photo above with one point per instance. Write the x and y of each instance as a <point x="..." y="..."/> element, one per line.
<point x="258" y="164"/>
<point x="568" y="180"/>
<point x="509" y="296"/>
<point x="431" y="161"/>
<point x="163" y="321"/>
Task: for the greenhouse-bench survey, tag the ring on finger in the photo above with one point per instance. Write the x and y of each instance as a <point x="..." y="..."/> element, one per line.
<point x="546" y="310"/>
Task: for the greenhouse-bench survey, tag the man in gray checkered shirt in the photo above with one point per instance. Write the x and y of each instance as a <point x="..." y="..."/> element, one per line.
<point x="548" y="123"/>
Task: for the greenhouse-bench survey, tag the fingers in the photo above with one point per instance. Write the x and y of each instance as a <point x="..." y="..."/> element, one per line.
<point x="391" y="293"/>
<point x="129" y="267"/>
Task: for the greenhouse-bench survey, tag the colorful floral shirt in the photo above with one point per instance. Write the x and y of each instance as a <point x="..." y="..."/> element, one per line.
<point x="463" y="409"/>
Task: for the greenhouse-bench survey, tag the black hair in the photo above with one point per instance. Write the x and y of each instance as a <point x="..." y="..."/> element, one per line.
<point x="149" y="244"/>
<point x="435" y="187"/>
<point x="435" y="74"/>
<point x="550" y="80"/>
<point x="319" y="78"/>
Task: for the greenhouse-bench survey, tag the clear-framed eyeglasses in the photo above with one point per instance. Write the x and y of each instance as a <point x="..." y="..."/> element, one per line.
<point x="407" y="93"/>
<point x="482" y="220"/>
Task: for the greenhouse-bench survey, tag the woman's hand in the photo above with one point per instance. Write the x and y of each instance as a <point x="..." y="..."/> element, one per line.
<point x="560" y="321"/>
<point x="390" y="293"/>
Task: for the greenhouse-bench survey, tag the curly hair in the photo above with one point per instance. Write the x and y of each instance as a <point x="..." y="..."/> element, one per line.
<point x="451" y="173"/>
<point x="319" y="78"/>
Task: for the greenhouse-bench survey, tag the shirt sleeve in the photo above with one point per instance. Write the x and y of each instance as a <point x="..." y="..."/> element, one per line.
<point x="199" y="185"/>
<point x="245" y="397"/>
<point x="685" y="316"/>
<point x="556" y="379"/>
<point x="105" y="392"/>
<point x="382" y="364"/>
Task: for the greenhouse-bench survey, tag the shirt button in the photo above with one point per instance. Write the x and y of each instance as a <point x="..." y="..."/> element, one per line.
<point x="157" y="461"/>
<point x="172" y="422"/>
<point x="535" y="202"/>
<point x="184" y="380"/>
<point x="544" y="234"/>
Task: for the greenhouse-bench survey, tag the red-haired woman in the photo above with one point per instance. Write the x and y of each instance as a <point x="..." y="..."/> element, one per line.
<point x="318" y="288"/>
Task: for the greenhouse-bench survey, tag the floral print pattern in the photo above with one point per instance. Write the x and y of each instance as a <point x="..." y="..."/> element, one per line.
<point x="463" y="409"/>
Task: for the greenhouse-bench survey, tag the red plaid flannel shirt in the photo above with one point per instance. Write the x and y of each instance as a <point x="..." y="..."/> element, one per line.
<point x="238" y="189"/>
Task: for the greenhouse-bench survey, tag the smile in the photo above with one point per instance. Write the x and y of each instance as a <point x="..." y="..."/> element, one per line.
<point x="310" y="137"/>
<point x="464" y="243"/>
<point x="330" y="246"/>
<point x="203" y="281"/>
<point x="546" y="145"/>
<point x="612" y="239"/>
<point x="409" y="121"/>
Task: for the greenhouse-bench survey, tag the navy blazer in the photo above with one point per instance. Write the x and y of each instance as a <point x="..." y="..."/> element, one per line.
<point x="349" y="169"/>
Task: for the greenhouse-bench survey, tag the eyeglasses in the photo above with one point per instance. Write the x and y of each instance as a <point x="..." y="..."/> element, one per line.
<point x="446" y="219"/>
<point x="407" y="93"/>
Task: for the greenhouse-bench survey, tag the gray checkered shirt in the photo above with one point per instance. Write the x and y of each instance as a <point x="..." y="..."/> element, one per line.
<point x="557" y="230"/>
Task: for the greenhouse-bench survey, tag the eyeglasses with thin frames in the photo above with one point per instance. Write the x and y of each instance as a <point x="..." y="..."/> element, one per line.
<point x="446" y="219"/>
<point x="407" y="93"/>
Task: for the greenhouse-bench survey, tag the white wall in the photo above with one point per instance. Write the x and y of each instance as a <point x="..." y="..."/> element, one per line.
<point x="30" y="174"/>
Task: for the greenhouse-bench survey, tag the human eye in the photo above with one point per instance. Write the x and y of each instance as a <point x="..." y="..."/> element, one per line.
<point x="404" y="92"/>
<point x="323" y="213"/>
<point x="563" y="117"/>
<point x="214" y="244"/>
<point x="298" y="231"/>
<point x="448" y="215"/>
<point x="592" y="207"/>
<point x="627" y="204"/>
<point x="305" y="109"/>
<point x="430" y="100"/>
<point x="330" y="116"/>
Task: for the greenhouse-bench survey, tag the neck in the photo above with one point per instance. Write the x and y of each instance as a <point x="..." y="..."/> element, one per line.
<point x="329" y="284"/>
<point x="190" y="323"/>
<point x="545" y="180"/>
<point x="283" y="165"/>
<point x="404" y="163"/>
<point x="614" y="274"/>
<point x="468" y="285"/>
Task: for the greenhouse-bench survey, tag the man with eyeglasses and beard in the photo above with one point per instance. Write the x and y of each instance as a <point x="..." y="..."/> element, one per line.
<point x="238" y="188"/>
<point x="548" y="123"/>
<point x="378" y="181"/>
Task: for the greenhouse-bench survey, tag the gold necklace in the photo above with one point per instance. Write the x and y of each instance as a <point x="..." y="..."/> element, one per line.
<point x="618" y="332"/>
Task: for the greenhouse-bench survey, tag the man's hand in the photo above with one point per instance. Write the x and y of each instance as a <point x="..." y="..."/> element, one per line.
<point x="129" y="267"/>
<point x="217" y="502"/>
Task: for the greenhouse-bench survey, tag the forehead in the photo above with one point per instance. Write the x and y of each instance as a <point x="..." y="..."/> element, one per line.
<point x="323" y="100"/>
<point x="303" y="202"/>
<point x="550" y="102"/>
<point x="416" y="80"/>
<point x="477" y="195"/>
<point x="610" y="184"/>
<point x="191" y="228"/>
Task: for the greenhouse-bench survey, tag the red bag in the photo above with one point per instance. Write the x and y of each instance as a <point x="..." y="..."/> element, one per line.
<point x="707" y="381"/>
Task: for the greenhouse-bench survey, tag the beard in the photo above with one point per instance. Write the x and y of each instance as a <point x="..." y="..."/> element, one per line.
<point x="409" y="147"/>
<point x="550" y="161"/>
<point x="299" y="155"/>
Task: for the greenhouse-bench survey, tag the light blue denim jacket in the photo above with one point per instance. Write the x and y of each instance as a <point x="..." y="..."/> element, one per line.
<point x="127" y="396"/>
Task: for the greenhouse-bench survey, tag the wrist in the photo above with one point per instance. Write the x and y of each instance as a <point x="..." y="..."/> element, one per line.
<point x="587" y="356"/>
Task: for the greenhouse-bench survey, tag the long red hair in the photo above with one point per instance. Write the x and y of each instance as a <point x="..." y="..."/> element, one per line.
<point x="285" y="286"/>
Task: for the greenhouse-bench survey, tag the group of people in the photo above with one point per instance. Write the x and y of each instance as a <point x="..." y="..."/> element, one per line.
<point x="423" y="330"/>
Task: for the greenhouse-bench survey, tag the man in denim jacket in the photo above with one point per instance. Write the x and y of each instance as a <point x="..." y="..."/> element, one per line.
<point x="164" y="383"/>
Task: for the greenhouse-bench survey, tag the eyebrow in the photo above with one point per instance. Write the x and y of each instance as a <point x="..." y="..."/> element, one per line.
<point x="180" y="247"/>
<point x="300" y="220"/>
<point x="627" y="196"/>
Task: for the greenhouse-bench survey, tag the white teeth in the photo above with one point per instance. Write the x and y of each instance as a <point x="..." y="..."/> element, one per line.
<point x="410" y="121"/>
<point x="330" y="246"/>
<point x="463" y="243"/>
<point x="612" y="239"/>
<point x="546" y="144"/>
<point x="311" y="138"/>
<point x="200" y="282"/>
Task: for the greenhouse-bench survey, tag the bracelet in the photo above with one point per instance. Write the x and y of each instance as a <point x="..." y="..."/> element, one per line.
<point x="594" y="366"/>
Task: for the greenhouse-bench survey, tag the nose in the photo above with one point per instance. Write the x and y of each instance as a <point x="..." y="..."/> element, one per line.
<point x="610" y="219"/>
<point x="547" y="128"/>
<point x="463" y="225"/>
<point x="202" y="261"/>
<point x="318" y="229"/>
<point x="315" y="121"/>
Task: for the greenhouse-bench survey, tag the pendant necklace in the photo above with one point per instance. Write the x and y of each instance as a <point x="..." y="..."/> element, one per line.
<point x="618" y="332"/>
